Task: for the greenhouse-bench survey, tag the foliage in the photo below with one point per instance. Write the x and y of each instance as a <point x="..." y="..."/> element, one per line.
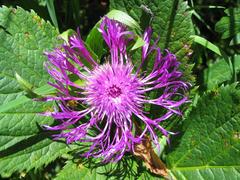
<point x="205" y="39"/>
<point x="172" y="26"/>
<point x="23" y="144"/>
<point x="229" y="25"/>
<point x="209" y="148"/>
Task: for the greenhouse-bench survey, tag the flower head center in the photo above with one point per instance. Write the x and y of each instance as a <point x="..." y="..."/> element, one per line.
<point x="114" y="91"/>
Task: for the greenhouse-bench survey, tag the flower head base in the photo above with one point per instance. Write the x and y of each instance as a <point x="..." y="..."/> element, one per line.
<point x="101" y="109"/>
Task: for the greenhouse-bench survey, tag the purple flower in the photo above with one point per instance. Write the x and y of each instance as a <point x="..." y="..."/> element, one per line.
<point x="97" y="102"/>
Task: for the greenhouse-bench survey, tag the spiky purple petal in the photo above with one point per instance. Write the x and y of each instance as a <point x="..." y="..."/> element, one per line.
<point x="111" y="94"/>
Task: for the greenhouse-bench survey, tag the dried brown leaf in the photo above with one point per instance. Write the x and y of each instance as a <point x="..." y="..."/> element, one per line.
<point x="151" y="160"/>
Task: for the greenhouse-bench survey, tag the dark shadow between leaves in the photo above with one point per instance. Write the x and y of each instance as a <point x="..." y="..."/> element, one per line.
<point x="26" y="143"/>
<point x="171" y="22"/>
<point x="176" y="139"/>
<point x="128" y="167"/>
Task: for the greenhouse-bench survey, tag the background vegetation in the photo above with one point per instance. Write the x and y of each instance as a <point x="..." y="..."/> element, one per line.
<point x="205" y="36"/>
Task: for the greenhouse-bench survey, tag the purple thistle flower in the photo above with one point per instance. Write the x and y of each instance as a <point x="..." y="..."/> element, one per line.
<point x="100" y="110"/>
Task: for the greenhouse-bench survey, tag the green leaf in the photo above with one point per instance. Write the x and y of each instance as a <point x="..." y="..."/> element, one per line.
<point x="42" y="2"/>
<point x="123" y="18"/>
<point x="208" y="7"/>
<point x="207" y="44"/>
<point x="66" y="34"/>
<point x="26" y="86"/>
<point x="26" y="156"/>
<point x="229" y="25"/>
<point x="210" y="146"/>
<point x="21" y="122"/>
<point x="24" y="37"/>
<point x="51" y="11"/>
<point x="127" y="168"/>
<point x="235" y="40"/>
<point x="94" y="39"/>
<point x="70" y="32"/>
<point x="139" y="43"/>
<point x="23" y="145"/>
<point x="220" y="72"/>
<point x="20" y="98"/>
<point x="76" y="171"/>
<point x="170" y="21"/>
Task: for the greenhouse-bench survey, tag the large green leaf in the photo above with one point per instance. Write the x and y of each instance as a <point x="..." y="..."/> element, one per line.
<point x="220" y="72"/>
<point x="229" y="25"/>
<point x="22" y="122"/>
<point x="210" y="146"/>
<point x="24" y="37"/>
<point x="170" y="21"/>
<point x="34" y="152"/>
<point x="23" y="145"/>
